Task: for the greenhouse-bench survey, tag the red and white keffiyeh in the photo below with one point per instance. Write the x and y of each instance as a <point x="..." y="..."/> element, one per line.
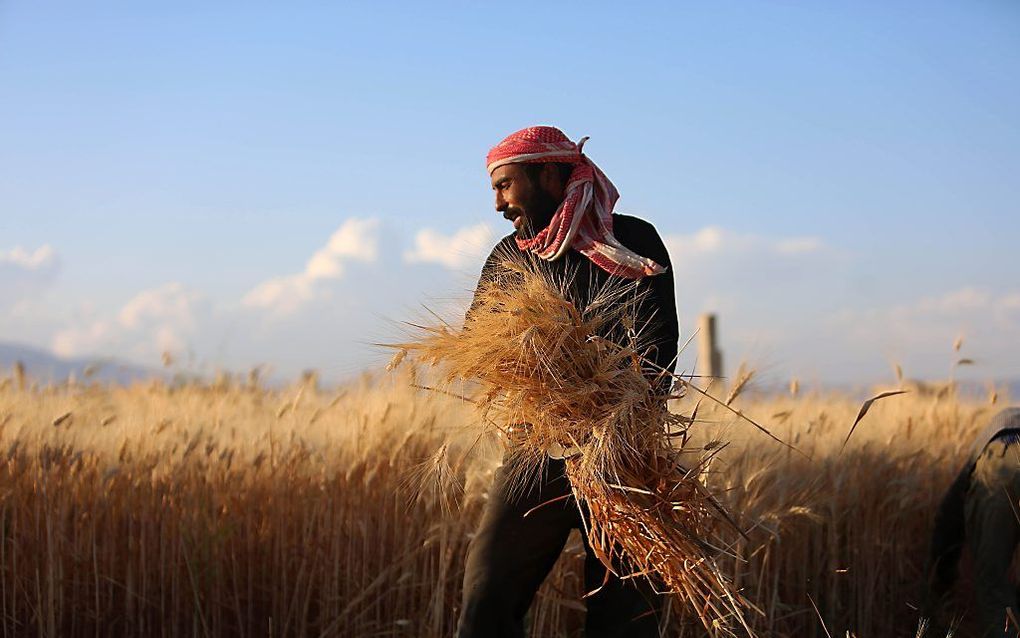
<point x="584" y="221"/>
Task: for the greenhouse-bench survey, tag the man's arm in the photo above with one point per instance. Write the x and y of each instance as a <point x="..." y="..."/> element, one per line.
<point x="667" y="326"/>
<point x="659" y="327"/>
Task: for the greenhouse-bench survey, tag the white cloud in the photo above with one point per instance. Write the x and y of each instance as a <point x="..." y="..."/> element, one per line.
<point x="715" y="241"/>
<point x="171" y="303"/>
<point x="933" y="322"/>
<point x="88" y="339"/>
<point x="706" y="241"/>
<point x="355" y="240"/>
<point x="1008" y="308"/>
<point x="164" y="319"/>
<point x="764" y="289"/>
<point x="720" y="270"/>
<point x="41" y="259"/>
<point x="25" y="272"/>
<point x="797" y="305"/>
<point x="236" y="332"/>
<point x="965" y="300"/>
<point x="462" y="248"/>
<point x="778" y="299"/>
<point x="798" y="245"/>
<point x="284" y="295"/>
<point x="919" y="334"/>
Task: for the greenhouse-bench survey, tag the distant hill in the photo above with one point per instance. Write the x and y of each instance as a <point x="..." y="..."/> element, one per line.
<point x="47" y="367"/>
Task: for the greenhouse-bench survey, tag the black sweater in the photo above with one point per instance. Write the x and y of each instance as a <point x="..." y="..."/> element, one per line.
<point x="656" y="317"/>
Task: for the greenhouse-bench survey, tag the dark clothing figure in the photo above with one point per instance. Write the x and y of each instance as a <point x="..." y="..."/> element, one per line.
<point x="656" y="321"/>
<point x="511" y="554"/>
<point x="980" y="510"/>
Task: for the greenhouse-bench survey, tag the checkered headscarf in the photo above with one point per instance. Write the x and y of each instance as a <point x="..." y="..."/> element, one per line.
<point x="584" y="221"/>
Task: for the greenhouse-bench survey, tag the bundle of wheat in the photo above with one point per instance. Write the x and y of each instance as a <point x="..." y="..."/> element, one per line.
<point x="551" y="375"/>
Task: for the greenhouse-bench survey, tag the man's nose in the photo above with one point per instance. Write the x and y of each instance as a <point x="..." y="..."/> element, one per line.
<point x="500" y="202"/>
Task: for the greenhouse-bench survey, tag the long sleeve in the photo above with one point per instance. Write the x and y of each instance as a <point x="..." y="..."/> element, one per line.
<point x="664" y="321"/>
<point x="657" y="323"/>
<point x="660" y="328"/>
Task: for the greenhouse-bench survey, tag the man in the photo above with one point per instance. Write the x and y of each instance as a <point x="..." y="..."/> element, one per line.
<point x="561" y="207"/>
<point x="981" y="509"/>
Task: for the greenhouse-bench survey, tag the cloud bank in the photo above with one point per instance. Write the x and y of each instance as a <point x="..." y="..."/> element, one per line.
<point x="355" y="240"/>
<point x="167" y="318"/>
<point x="787" y="304"/>
<point x="456" y="251"/>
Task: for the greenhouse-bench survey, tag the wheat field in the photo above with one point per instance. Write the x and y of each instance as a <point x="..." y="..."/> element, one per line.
<point x="230" y="509"/>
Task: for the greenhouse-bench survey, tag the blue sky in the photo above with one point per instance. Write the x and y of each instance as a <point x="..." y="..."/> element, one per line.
<point x="837" y="180"/>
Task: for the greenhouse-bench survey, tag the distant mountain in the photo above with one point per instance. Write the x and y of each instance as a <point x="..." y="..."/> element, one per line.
<point x="45" y="366"/>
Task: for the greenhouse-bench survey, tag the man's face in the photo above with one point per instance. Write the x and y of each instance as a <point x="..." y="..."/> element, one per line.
<point x="522" y="201"/>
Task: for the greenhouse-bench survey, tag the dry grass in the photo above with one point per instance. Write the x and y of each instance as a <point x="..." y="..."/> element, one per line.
<point x="235" y="510"/>
<point x="220" y="511"/>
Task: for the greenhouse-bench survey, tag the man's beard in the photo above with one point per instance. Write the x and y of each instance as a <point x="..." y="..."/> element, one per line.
<point x="540" y="209"/>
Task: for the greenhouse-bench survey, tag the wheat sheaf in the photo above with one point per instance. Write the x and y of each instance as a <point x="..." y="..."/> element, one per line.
<point x="548" y="374"/>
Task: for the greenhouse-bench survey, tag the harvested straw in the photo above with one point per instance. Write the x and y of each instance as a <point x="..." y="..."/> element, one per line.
<point x="552" y="375"/>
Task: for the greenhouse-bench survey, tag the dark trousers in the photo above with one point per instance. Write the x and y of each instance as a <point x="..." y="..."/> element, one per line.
<point x="511" y="555"/>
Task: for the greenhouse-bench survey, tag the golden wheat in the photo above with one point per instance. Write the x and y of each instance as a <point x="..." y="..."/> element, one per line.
<point x="194" y="510"/>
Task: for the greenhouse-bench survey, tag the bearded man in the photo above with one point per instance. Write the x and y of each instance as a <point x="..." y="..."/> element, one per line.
<point x="561" y="207"/>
